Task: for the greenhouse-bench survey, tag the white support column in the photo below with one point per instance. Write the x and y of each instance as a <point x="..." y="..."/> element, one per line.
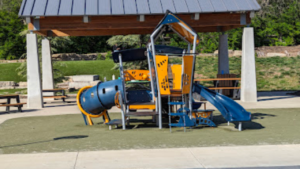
<point x="223" y="60"/>
<point x="47" y="67"/>
<point x="248" y="82"/>
<point x="34" y="88"/>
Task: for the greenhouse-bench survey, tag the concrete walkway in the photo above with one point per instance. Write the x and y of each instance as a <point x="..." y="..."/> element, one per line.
<point x="279" y="156"/>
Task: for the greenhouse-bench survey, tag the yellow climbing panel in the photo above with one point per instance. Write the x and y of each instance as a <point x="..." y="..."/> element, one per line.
<point x="187" y="74"/>
<point x="176" y="73"/>
<point x="136" y="75"/>
<point x="162" y="72"/>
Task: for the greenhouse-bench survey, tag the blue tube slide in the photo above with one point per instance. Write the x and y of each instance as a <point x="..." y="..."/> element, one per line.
<point x="231" y="110"/>
<point x="100" y="97"/>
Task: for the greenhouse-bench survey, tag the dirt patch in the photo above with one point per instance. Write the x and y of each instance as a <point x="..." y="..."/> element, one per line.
<point x="289" y="51"/>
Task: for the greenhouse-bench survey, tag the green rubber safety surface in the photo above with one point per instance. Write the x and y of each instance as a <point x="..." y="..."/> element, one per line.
<point x="67" y="133"/>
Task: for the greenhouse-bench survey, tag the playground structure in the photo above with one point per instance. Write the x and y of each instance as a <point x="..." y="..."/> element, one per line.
<point x="153" y="90"/>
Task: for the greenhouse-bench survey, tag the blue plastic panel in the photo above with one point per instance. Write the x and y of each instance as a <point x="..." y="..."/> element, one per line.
<point x="193" y="6"/>
<point x="243" y="5"/>
<point x="52" y="8"/>
<point x="206" y="6"/>
<point x="117" y="7"/>
<point x="138" y="96"/>
<point x="28" y="7"/>
<point x="231" y="5"/>
<point x="142" y="6"/>
<point x="169" y="19"/>
<point x="65" y="7"/>
<point x="180" y="6"/>
<point x="155" y="6"/>
<point x="104" y="7"/>
<point x="130" y="7"/>
<point x="130" y="55"/>
<point x="218" y="5"/>
<point x="91" y="7"/>
<point x="78" y="7"/>
<point x="39" y="8"/>
<point x="168" y="5"/>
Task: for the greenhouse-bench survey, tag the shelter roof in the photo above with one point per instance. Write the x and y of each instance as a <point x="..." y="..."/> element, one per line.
<point x="32" y="8"/>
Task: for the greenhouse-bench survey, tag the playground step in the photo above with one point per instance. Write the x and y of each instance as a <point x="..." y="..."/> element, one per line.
<point x="151" y="113"/>
<point x="177" y="125"/>
<point x="176" y="114"/>
<point x="145" y="103"/>
<point x="176" y="103"/>
<point x="115" y="122"/>
<point x="141" y="121"/>
<point x="201" y="110"/>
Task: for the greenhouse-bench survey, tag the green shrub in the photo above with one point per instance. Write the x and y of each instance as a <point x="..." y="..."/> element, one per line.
<point x="100" y="56"/>
<point x="108" y="55"/>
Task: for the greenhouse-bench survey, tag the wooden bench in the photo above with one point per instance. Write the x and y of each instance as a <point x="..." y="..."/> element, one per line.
<point x="63" y="96"/>
<point x="19" y="105"/>
<point x="233" y="85"/>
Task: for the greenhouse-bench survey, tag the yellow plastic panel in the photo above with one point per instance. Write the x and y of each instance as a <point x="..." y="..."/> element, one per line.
<point x="162" y="72"/>
<point x="136" y="75"/>
<point x="187" y="73"/>
<point x="140" y="107"/>
<point x="177" y="72"/>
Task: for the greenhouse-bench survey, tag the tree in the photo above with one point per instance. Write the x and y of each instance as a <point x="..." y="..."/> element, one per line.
<point x="128" y="41"/>
<point x="12" y="45"/>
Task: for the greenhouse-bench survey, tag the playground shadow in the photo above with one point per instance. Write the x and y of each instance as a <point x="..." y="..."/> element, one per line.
<point x="276" y="98"/>
<point x="249" y="125"/>
<point x="16" y="111"/>
<point x="51" y="140"/>
<point x="60" y="105"/>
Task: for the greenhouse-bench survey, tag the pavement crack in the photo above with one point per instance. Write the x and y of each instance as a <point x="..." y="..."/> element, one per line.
<point x="76" y="160"/>
<point x="196" y="158"/>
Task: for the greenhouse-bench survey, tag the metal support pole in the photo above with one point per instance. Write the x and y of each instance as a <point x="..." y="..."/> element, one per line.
<point x="169" y="100"/>
<point x="240" y="126"/>
<point x="158" y="89"/>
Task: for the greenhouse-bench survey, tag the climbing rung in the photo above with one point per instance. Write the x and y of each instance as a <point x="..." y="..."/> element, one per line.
<point x="176" y="114"/>
<point x="176" y="103"/>
<point x="176" y="124"/>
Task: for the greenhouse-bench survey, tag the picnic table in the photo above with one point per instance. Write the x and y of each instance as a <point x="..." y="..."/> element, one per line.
<point x="8" y="103"/>
<point x="63" y="95"/>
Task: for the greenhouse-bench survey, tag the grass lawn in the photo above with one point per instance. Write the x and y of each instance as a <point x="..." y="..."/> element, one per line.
<point x="13" y="91"/>
<point x="276" y="73"/>
<point x="67" y="133"/>
<point x="98" y="67"/>
<point x="8" y="72"/>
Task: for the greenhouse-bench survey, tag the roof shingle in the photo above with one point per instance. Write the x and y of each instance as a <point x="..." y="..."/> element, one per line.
<point x="130" y="7"/>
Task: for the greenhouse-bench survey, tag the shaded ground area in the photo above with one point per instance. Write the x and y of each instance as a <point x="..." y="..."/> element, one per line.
<point x="68" y="133"/>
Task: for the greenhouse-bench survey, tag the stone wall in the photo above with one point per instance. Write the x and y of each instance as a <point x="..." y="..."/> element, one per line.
<point x="79" y="81"/>
<point x="74" y="56"/>
<point x="282" y="51"/>
<point x="12" y="85"/>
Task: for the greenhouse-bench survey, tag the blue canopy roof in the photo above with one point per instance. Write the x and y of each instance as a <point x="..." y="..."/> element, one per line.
<point x="130" y="55"/>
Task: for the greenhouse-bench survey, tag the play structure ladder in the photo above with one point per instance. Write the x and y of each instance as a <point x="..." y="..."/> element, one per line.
<point x="182" y="114"/>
